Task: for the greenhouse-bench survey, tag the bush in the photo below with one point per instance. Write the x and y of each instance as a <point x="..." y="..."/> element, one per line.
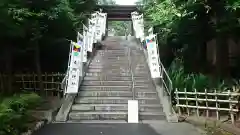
<point x="192" y="81"/>
<point x="14" y="113"/>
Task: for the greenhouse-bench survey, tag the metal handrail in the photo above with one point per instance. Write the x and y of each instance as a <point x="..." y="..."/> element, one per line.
<point x="169" y="87"/>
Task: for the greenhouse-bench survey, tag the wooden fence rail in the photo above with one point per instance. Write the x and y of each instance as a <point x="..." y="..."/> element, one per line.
<point x="200" y="102"/>
<point x="30" y="82"/>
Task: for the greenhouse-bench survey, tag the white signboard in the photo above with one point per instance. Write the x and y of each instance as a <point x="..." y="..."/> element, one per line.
<point x="153" y="57"/>
<point x="133" y="111"/>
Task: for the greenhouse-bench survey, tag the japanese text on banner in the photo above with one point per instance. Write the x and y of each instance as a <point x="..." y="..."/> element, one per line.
<point x="153" y="58"/>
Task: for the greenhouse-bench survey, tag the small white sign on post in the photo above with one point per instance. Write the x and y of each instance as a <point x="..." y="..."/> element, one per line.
<point x="133" y="111"/>
<point x="153" y="56"/>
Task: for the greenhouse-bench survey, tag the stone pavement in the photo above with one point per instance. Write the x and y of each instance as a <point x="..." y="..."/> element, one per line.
<point x="160" y="127"/>
<point x="152" y="128"/>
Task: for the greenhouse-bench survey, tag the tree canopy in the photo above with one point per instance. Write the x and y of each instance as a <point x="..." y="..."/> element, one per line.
<point x="187" y="26"/>
<point x="35" y="35"/>
<point x="46" y="23"/>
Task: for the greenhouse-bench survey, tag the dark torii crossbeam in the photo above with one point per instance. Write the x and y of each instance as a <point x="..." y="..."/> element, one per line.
<point x="118" y="12"/>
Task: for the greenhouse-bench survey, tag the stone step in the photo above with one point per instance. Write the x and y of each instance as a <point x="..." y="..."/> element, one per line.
<point x="108" y="83"/>
<point x="116" y="63"/>
<point x="114" y="100"/>
<point x="109" y="66"/>
<point x="105" y="58"/>
<point x="112" y="52"/>
<point x="143" y="83"/>
<point x="140" y="69"/>
<point x="112" y="70"/>
<point x="137" y="83"/>
<point x="105" y="94"/>
<point x="139" y="88"/>
<point x="148" y="94"/>
<point x="102" y="100"/>
<point x="116" y="78"/>
<point x="115" y="107"/>
<point x="105" y="78"/>
<point x="104" y="74"/>
<point x="110" y="55"/>
<point x="105" y="88"/>
<point x="117" y="69"/>
<point x="120" y="115"/>
<point x="117" y="74"/>
<point x="123" y="51"/>
<point x="144" y="87"/>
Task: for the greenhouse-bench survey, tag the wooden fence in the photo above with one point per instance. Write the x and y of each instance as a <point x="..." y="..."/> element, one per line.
<point x="209" y="104"/>
<point x="30" y="82"/>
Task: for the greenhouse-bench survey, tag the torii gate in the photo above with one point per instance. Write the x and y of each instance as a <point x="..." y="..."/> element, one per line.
<point x="118" y="13"/>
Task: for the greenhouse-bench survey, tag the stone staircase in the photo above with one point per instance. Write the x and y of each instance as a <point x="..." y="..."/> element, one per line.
<point x="116" y="74"/>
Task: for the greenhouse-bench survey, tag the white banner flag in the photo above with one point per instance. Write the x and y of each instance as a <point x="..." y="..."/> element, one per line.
<point x="91" y="25"/>
<point x="73" y="80"/>
<point x="85" y="43"/>
<point x="90" y="40"/>
<point x="153" y="57"/>
<point x="76" y="58"/>
<point x="74" y="68"/>
<point x="92" y="22"/>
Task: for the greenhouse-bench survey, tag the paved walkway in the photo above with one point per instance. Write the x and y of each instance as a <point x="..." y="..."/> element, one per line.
<point x="155" y="128"/>
<point x="114" y="128"/>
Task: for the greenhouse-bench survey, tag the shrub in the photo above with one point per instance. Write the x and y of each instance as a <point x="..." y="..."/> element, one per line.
<point x="192" y="81"/>
<point x="14" y="113"/>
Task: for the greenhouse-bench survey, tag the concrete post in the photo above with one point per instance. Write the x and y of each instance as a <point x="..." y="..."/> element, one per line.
<point x="106" y="34"/>
<point x="132" y="30"/>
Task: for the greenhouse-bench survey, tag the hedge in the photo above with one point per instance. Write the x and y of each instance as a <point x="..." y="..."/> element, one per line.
<point x="15" y="114"/>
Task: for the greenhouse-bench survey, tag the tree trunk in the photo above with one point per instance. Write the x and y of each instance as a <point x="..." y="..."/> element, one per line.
<point x="203" y="57"/>
<point x="8" y="58"/>
<point x="222" y="45"/>
<point x="38" y="68"/>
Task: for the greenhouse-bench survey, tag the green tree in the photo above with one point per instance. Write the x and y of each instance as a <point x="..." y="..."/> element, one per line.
<point x="28" y="26"/>
<point x="188" y="25"/>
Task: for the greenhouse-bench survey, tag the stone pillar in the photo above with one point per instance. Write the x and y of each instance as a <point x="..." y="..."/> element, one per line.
<point x="132" y="30"/>
<point x="106" y="34"/>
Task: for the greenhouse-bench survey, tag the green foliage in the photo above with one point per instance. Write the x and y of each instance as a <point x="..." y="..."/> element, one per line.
<point x="48" y="23"/>
<point x="191" y="81"/>
<point x="121" y="27"/>
<point x="186" y="27"/>
<point x="14" y="113"/>
<point x="184" y="23"/>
